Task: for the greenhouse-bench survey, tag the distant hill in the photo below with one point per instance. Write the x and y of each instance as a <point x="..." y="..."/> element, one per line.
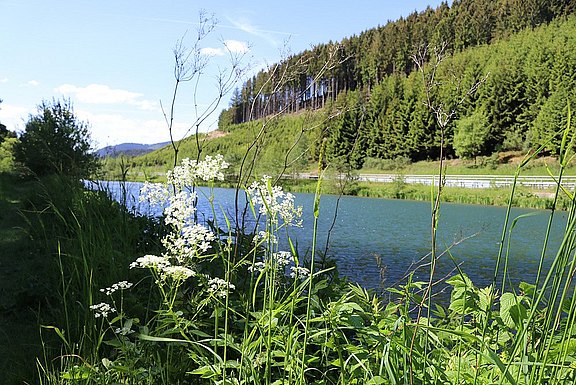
<point x="129" y="149"/>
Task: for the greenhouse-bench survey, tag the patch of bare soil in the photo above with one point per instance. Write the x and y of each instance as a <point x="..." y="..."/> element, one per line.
<point x="216" y="134"/>
<point x="516" y="157"/>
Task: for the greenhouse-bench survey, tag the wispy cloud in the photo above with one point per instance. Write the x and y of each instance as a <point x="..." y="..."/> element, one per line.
<point x="4" y="80"/>
<point x="245" y="25"/>
<point x="103" y="94"/>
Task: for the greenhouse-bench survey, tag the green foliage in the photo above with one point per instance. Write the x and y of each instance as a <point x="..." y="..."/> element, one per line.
<point x="55" y="141"/>
<point x="7" y="163"/>
<point x="470" y="135"/>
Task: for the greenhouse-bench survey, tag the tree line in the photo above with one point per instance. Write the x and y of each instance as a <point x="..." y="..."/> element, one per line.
<point x="376" y="96"/>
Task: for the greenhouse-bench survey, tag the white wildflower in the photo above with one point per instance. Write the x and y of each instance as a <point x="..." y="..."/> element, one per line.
<point x="274" y="202"/>
<point x="178" y="273"/>
<point x="155" y="193"/>
<point x="190" y="171"/>
<point x="211" y="168"/>
<point x="264" y="236"/>
<point x="283" y="258"/>
<point x="122" y="285"/>
<point x="279" y="261"/>
<point x="102" y="310"/>
<point x="189" y="242"/>
<point x="219" y="287"/>
<point x="151" y="261"/>
<point x="258" y="267"/>
<point x="299" y="272"/>
<point x="198" y="236"/>
<point x="181" y="209"/>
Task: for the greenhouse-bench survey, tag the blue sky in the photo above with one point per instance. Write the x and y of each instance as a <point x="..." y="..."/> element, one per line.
<point x="113" y="58"/>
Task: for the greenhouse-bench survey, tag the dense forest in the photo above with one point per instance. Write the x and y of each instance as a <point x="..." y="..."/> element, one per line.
<point x="521" y="54"/>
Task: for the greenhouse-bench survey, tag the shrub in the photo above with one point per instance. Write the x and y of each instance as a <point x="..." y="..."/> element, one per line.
<point x="56" y="142"/>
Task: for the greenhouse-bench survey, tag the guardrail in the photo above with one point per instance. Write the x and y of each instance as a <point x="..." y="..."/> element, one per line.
<point x="467" y="181"/>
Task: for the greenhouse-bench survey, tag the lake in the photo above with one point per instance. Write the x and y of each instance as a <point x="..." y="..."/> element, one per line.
<point x="397" y="232"/>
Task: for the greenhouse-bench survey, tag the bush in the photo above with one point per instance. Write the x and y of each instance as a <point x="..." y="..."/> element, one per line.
<point x="56" y="142"/>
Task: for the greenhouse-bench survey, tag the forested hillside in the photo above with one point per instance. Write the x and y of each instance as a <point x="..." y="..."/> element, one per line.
<point x="523" y="52"/>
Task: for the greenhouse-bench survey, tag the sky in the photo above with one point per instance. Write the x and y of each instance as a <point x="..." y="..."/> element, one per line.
<point x="113" y="59"/>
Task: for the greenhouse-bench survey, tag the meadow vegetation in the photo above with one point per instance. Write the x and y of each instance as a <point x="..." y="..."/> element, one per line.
<point x="121" y="298"/>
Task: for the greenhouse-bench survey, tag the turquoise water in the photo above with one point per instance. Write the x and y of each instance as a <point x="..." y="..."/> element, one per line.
<point x="397" y="232"/>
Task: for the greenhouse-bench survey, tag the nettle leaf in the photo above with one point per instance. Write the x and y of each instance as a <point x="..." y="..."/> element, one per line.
<point x="527" y="288"/>
<point x="486" y="298"/>
<point x="460" y="280"/>
<point x="512" y="311"/>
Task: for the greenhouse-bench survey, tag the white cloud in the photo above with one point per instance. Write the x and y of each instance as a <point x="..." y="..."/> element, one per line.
<point x="4" y="80"/>
<point x="211" y="51"/>
<point x="13" y="117"/>
<point x="103" y="94"/>
<point x="33" y="83"/>
<point x="110" y="129"/>
<point x="236" y="46"/>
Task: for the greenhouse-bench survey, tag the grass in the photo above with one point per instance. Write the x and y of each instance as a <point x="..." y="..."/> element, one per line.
<point x="22" y="285"/>
<point x="231" y="313"/>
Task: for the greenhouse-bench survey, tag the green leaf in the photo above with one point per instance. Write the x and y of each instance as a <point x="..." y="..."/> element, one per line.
<point x="512" y="311"/>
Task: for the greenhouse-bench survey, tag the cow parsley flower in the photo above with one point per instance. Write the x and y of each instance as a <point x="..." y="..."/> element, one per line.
<point x="257" y="267"/>
<point x="181" y="209"/>
<point x="279" y="260"/>
<point x="189" y="171"/>
<point x="102" y="310"/>
<point x="274" y="202"/>
<point x="299" y="272"/>
<point x="151" y="261"/>
<point x="155" y="193"/>
<point x="178" y="273"/>
<point x="219" y="287"/>
<point x="189" y="242"/>
<point x="122" y="285"/>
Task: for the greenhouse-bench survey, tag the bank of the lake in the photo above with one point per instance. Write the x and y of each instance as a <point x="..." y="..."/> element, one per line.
<point x="496" y="196"/>
<point x="523" y="197"/>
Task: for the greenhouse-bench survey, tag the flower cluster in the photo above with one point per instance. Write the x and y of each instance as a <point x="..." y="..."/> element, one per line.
<point x="219" y="287"/>
<point x="281" y="260"/>
<point x="299" y="272"/>
<point x="102" y="310"/>
<point x="165" y="269"/>
<point x="155" y="193"/>
<point x="187" y="243"/>
<point x="151" y="262"/>
<point x="122" y="285"/>
<point x="190" y="171"/>
<point x="274" y="202"/>
<point x="180" y="210"/>
<point x="265" y="236"/>
<point x="178" y="273"/>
